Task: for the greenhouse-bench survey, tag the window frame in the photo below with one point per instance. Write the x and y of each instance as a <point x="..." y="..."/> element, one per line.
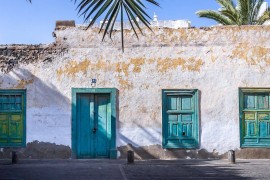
<point x="242" y="92"/>
<point x="195" y="94"/>
<point x="22" y="92"/>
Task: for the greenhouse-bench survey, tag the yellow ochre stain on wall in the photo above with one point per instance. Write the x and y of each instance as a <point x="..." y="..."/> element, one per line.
<point x="190" y="64"/>
<point x="23" y="83"/>
<point x="73" y="67"/>
<point x="124" y="83"/>
<point x="133" y="65"/>
<point x="122" y="67"/>
<point x="253" y="55"/>
<point x="138" y="63"/>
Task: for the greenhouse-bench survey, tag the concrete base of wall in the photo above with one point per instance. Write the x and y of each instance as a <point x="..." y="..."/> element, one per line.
<point x="45" y="150"/>
<point x="253" y="153"/>
<point x="38" y="150"/>
<point x="157" y="152"/>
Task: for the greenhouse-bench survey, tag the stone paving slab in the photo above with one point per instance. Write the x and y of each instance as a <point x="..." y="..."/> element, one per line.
<point x="119" y="169"/>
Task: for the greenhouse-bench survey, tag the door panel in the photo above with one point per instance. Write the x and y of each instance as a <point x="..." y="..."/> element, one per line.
<point x="92" y="113"/>
<point x="16" y="128"/>
<point x="102" y="121"/>
<point x="84" y="125"/>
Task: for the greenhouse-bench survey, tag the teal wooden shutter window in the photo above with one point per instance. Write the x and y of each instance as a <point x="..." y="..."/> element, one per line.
<point x="180" y="124"/>
<point x="254" y="117"/>
<point x="12" y="118"/>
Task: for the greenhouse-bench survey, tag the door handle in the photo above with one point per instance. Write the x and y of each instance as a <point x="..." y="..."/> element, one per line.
<point x="94" y="130"/>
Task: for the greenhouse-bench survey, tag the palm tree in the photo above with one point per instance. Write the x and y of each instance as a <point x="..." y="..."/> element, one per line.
<point x="111" y="8"/>
<point x="246" y="12"/>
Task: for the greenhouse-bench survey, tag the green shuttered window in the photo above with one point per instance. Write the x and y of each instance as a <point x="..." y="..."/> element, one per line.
<point x="180" y="118"/>
<point x="12" y="118"/>
<point x="254" y="117"/>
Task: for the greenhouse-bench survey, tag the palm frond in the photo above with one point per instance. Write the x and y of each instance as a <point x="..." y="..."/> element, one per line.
<point x="228" y="5"/>
<point x="246" y="12"/>
<point x="111" y="9"/>
<point x="215" y="16"/>
<point x="265" y="17"/>
<point x="229" y="15"/>
<point x="255" y="9"/>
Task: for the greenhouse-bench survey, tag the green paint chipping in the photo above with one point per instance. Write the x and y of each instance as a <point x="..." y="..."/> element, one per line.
<point x="254" y="117"/>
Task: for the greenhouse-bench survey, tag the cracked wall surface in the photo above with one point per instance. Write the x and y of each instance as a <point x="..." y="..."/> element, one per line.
<point x="217" y="61"/>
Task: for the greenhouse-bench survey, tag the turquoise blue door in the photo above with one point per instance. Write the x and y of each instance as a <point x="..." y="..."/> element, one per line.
<point x="93" y="125"/>
<point x="180" y="118"/>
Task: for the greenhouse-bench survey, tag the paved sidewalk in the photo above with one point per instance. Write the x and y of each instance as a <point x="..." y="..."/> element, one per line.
<point x="119" y="169"/>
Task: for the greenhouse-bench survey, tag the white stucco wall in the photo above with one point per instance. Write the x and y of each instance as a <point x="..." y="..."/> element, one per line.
<point x="216" y="61"/>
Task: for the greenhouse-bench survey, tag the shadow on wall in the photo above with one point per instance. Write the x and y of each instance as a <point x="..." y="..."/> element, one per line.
<point x="39" y="95"/>
<point x="157" y="151"/>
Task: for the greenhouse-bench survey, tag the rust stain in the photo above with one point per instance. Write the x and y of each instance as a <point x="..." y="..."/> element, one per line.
<point x="23" y="83"/>
<point x="72" y="68"/>
<point x="138" y="62"/>
<point x="168" y="63"/>
<point x="170" y="31"/>
<point x="143" y="109"/>
<point x="151" y="61"/>
<point x="240" y="51"/>
<point x="193" y="64"/>
<point x="122" y="67"/>
<point x="183" y="34"/>
<point x="253" y="55"/>
<point x="124" y="83"/>
<point x="213" y="58"/>
<point x="190" y="64"/>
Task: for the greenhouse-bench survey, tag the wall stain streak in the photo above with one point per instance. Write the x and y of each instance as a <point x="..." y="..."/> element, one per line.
<point x="191" y="64"/>
<point x="72" y="68"/>
<point x="137" y="64"/>
<point x="23" y="83"/>
<point x="123" y="69"/>
<point x="253" y="55"/>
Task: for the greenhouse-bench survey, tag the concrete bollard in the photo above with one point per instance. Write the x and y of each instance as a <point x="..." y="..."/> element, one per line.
<point x="15" y="158"/>
<point x="130" y="156"/>
<point x="231" y="156"/>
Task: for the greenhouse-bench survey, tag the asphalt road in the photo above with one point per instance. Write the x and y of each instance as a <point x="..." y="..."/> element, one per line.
<point x="119" y="169"/>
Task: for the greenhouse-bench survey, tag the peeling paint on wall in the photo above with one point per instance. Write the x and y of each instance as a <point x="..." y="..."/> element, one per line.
<point x="23" y="83"/>
<point x="252" y="54"/>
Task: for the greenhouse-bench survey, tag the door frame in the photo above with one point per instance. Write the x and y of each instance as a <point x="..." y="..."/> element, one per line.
<point x="195" y="94"/>
<point x="114" y="117"/>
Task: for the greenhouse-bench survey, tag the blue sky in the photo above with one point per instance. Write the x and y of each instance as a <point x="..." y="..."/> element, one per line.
<point x="25" y="23"/>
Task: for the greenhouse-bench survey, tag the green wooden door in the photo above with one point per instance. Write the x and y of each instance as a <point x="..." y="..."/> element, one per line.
<point x="180" y="119"/>
<point x="255" y="119"/>
<point x="93" y="116"/>
<point x="12" y="118"/>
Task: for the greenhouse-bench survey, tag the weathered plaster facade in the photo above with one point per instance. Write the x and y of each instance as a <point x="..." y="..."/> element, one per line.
<point x="216" y="61"/>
